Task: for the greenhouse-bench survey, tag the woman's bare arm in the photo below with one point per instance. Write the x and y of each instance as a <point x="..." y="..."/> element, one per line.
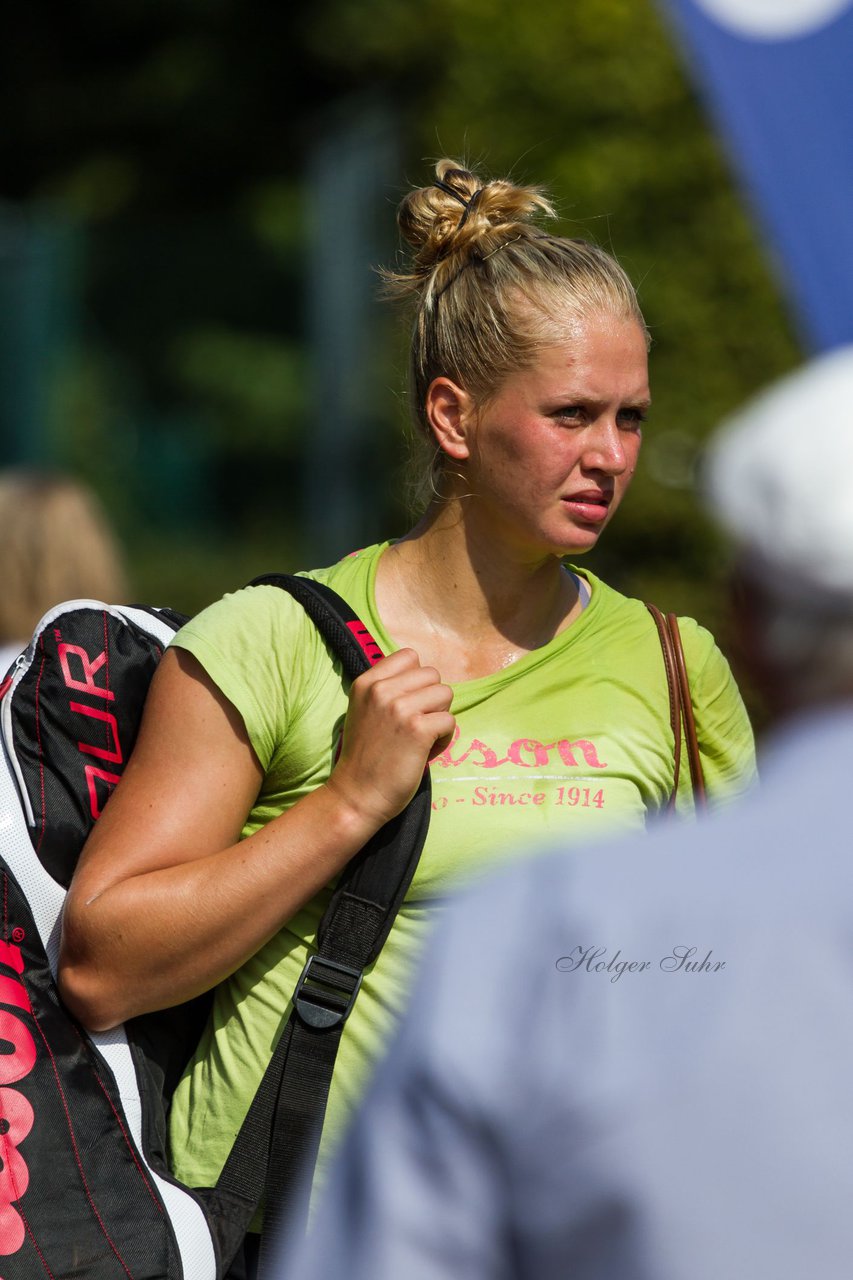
<point x="167" y="900"/>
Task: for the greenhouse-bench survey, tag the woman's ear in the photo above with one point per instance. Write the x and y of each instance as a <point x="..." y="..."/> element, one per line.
<point x="450" y="413"/>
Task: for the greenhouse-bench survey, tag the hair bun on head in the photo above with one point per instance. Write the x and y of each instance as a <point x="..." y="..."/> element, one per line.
<point x="461" y="214"/>
<point x="467" y="205"/>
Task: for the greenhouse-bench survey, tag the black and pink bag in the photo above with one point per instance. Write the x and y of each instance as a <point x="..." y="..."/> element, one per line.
<point x="79" y="1193"/>
<point x="85" y="1189"/>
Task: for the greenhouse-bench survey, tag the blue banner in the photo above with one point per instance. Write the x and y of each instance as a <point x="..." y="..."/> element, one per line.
<point x="777" y="76"/>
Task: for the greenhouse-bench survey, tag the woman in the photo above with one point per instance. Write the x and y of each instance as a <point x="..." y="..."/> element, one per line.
<point x="536" y="693"/>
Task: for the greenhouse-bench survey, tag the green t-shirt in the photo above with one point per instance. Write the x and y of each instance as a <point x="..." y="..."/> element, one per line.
<point x="569" y="743"/>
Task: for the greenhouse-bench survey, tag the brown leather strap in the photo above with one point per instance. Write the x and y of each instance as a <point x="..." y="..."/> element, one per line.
<point x="674" y="686"/>
<point x="693" y="756"/>
<point x="680" y="706"/>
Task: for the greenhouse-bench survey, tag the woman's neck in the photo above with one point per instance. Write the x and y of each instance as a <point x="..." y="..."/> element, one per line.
<point x="464" y="608"/>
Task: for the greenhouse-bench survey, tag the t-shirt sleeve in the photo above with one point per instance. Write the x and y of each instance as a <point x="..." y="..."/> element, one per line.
<point x="255" y="645"/>
<point x="723" y="729"/>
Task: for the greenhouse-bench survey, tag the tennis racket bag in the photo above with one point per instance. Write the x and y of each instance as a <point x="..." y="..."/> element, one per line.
<point x="85" y="1189"/>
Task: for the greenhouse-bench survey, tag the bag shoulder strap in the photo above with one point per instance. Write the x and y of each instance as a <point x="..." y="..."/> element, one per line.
<point x="281" y="1133"/>
<point x="694" y="757"/>
<point x="680" y="705"/>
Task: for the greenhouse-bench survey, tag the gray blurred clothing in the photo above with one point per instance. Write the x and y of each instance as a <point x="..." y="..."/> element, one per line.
<point x="541" y="1118"/>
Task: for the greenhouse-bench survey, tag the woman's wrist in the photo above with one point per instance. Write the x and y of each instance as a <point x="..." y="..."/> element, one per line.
<point x="352" y="811"/>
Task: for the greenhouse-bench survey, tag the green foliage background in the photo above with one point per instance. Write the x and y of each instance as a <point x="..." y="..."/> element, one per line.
<point x="174" y="140"/>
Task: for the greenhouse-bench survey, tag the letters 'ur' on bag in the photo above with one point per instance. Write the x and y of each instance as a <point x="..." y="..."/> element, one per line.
<point x="85" y="1190"/>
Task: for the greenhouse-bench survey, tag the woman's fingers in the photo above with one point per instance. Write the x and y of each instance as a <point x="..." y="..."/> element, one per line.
<point x="398" y="711"/>
<point x="397" y="692"/>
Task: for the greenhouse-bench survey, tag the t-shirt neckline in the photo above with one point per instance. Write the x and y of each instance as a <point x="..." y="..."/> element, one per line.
<point x="528" y="662"/>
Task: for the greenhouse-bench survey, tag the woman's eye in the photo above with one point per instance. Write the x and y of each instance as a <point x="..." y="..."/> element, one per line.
<point x="633" y="417"/>
<point x="570" y="413"/>
<point x="630" y="419"/>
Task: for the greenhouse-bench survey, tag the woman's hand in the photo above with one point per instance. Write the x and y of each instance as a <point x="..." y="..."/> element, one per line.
<point x="398" y="711"/>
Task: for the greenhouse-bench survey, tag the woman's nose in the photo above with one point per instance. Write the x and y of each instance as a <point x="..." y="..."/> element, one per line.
<point x="605" y="447"/>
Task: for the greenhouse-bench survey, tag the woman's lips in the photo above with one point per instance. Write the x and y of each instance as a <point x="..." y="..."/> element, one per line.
<point x="590" y="506"/>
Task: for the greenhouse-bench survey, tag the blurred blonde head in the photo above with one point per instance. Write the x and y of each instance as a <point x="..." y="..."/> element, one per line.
<point x="57" y="545"/>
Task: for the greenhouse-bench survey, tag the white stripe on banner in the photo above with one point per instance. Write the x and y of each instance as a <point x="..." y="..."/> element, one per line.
<point x="774" y="19"/>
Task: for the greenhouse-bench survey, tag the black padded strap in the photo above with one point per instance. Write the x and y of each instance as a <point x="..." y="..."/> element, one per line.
<point x="280" y="1135"/>
<point x="342" y="629"/>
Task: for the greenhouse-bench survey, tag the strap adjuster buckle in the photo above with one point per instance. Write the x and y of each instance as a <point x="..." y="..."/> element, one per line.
<point x="325" y="992"/>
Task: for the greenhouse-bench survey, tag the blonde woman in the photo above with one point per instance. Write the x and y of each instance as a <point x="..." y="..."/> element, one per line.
<point x="534" y="692"/>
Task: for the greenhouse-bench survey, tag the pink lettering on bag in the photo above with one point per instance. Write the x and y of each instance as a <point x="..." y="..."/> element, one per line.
<point x="16" y="1112"/>
<point x="93" y="772"/>
<point x="112" y="753"/>
<point x="89" y="667"/>
<point x="114" y="756"/>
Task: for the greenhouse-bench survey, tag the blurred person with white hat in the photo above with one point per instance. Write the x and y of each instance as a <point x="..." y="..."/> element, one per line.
<point x="779" y="478"/>
<point x="636" y="1066"/>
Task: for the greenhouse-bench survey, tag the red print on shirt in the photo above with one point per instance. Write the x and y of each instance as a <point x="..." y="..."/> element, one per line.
<point x="527" y="753"/>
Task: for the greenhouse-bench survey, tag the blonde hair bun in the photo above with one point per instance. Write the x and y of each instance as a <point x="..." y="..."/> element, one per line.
<point x="458" y="215"/>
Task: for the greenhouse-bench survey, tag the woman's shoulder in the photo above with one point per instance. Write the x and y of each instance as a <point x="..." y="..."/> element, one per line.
<point x="625" y="623"/>
<point x="264" y="619"/>
<point x="623" y="617"/>
<point x="352" y="575"/>
<point x="252" y="615"/>
<point x="264" y="653"/>
<point x="613" y="604"/>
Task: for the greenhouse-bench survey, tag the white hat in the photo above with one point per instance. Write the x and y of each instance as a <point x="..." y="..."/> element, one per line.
<point x="778" y="476"/>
